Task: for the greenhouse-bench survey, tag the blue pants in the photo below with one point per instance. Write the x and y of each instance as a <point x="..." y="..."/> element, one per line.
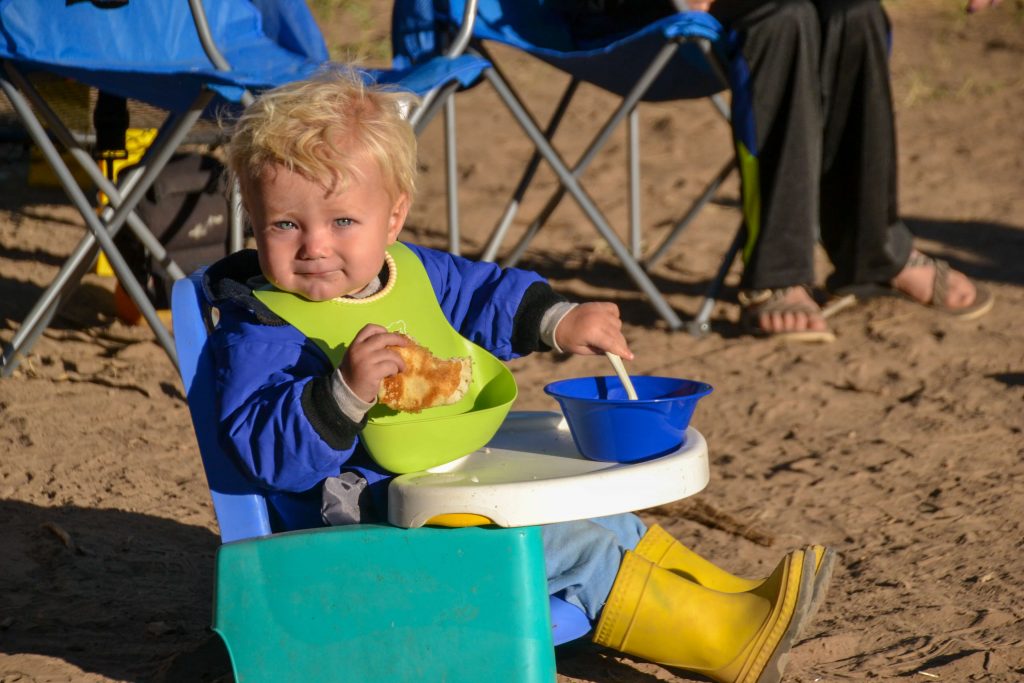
<point x="582" y="558"/>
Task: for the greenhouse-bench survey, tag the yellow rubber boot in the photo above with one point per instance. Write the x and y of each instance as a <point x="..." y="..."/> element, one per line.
<point x="655" y="613"/>
<point x="661" y="548"/>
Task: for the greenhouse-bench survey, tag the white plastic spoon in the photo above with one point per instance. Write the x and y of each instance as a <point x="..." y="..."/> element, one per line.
<point x="620" y="370"/>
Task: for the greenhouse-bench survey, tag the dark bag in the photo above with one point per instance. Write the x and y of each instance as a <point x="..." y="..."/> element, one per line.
<point x="187" y="210"/>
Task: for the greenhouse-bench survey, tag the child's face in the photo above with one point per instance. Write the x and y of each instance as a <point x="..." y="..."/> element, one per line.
<point x="321" y="243"/>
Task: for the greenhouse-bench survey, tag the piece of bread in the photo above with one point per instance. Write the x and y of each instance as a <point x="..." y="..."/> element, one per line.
<point x="426" y="382"/>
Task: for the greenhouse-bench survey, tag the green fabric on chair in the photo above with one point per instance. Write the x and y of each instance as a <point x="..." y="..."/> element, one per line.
<point x="378" y="603"/>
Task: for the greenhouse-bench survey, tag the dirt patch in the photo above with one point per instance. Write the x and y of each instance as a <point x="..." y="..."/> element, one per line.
<point x="900" y="445"/>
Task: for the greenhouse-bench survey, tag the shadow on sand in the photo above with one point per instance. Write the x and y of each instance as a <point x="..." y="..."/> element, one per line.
<point x="112" y="592"/>
<point x="992" y="253"/>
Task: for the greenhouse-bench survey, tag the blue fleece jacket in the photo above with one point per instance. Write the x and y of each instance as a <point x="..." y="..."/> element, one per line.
<point x="277" y="416"/>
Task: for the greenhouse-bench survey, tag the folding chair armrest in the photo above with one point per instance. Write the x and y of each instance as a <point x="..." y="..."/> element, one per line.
<point x="209" y="45"/>
<point x="462" y="38"/>
<point x="206" y="37"/>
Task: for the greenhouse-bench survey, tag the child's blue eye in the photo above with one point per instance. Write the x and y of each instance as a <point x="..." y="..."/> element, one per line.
<point x="284" y="225"/>
<point x="343" y="222"/>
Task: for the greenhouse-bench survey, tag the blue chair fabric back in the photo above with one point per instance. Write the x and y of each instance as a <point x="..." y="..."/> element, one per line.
<point x="290" y="24"/>
<point x="266" y="43"/>
<point x="99" y="45"/>
<point x="611" y="62"/>
<point x="240" y="507"/>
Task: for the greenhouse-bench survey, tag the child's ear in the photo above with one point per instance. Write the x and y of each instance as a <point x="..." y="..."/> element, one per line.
<point x="399" y="212"/>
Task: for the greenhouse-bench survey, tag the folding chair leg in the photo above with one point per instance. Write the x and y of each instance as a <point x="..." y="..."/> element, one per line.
<point x="630" y="258"/>
<point x="42" y="313"/>
<point x="421" y="117"/>
<point x="720" y="106"/>
<point x="236" y="231"/>
<point x="160" y="256"/>
<point x="82" y="204"/>
<point x="103" y="231"/>
<point x="98" y="230"/>
<point x="627" y="105"/>
<point x="236" y="238"/>
<point x="633" y="143"/>
<point x="701" y="323"/>
<point x="86" y="163"/>
<point x="571" y="184"/>
<point x="501" y="229"/>
<point x="451" y="166"/>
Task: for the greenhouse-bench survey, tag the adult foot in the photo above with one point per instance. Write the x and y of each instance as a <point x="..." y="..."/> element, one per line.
<point x="932" y="282"/>
<point x="787" y="313"/>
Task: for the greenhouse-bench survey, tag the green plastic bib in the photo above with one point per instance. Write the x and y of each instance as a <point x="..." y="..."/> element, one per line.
<point x="408" y="442"/>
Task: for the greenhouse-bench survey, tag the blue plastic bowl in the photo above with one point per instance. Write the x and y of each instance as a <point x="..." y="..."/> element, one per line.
<point x="608" y="426"/>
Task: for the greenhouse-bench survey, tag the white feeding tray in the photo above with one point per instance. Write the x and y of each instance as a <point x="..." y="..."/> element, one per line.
<point x="531" y="473"/>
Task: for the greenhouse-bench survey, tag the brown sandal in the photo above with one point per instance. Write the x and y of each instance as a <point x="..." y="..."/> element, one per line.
<point x="983" y="297"/>
<point x="757" y="302"/>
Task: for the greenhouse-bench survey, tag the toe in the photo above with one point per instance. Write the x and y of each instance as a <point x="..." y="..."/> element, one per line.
<point x="918" y="282"/>
<point x="961" y="291"/>
<point x="772" y="323"/>
<point x="790" y="310"/>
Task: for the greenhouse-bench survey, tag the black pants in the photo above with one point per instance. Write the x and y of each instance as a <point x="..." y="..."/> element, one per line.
<point x="816" y="137"/>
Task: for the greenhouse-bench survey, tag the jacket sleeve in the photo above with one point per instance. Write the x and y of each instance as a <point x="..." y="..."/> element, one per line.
<point x="498" y="308"/>
<point x="276" y="413"/>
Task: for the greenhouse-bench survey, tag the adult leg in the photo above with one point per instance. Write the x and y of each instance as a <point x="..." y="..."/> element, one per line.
<point x="860" y="225"/>
<point x="861" y="230"/>
<point x="777" y="125"/>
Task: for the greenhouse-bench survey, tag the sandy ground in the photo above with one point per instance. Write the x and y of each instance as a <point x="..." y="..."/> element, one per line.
<point x="900" y="445"/>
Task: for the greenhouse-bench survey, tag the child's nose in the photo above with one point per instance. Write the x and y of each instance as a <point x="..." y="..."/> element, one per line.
<point x="315" y="243"/>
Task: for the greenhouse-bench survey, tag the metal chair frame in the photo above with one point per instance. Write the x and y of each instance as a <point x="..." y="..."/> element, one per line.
<point x="131" y="187"/>
<point x="636" y="264"/>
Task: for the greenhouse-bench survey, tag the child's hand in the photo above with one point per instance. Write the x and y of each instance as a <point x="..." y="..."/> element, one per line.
<point x="368" y="360"/>
<point x="592" y="328"/>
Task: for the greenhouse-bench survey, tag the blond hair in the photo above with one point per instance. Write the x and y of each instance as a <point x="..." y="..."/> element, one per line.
<point x="316" y="127"/>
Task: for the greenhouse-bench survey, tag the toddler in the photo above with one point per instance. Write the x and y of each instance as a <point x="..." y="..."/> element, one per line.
<point x="326" y="169"/>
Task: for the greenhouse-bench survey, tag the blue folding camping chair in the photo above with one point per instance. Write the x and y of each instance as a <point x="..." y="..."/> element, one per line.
<point x="682" y="56"/>
<point x="188" y="60"/>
